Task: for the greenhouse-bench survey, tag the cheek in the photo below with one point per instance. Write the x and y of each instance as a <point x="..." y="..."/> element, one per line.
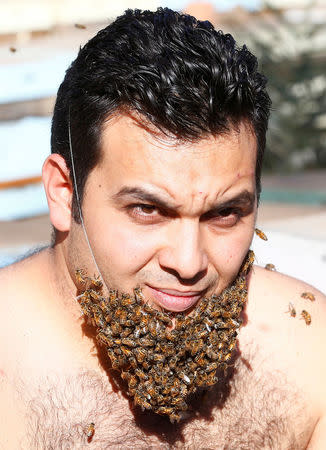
<point x="123" y="249"/>
<point x="229" y="253"/>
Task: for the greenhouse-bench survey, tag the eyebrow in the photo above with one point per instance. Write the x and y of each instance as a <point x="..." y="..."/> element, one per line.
<point x="143" y="195"/>
<point x="244" y="198"/>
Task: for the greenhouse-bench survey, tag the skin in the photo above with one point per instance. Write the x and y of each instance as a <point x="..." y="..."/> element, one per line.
<point x="195" y="245"/>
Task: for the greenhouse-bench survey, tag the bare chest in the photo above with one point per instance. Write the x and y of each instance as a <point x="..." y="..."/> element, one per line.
<point x="249" y="411"/>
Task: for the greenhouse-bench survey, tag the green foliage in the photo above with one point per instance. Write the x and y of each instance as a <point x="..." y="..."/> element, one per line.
<point x="294" y="62"/>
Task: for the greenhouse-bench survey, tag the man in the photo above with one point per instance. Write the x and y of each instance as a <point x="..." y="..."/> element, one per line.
<point x="153" y="183"/>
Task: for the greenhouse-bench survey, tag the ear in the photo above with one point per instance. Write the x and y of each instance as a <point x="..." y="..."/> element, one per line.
<point x="59" y="191"/>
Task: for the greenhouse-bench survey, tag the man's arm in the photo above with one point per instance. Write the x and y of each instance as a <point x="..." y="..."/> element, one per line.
<point x="318" y="438"/>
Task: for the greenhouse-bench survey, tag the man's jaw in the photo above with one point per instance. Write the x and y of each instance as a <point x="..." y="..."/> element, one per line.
<point x="174" y="300"/>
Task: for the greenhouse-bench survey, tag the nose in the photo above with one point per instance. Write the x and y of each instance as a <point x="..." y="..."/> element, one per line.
<point x="184" y="254"/>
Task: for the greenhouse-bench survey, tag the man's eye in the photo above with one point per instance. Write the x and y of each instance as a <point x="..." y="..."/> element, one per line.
<point x="144" y="209"/>
<point x="143" y="212"/>
<point x="227" y="217"/>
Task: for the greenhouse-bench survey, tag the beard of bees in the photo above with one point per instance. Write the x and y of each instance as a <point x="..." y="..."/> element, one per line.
<point x="163" y="366"/>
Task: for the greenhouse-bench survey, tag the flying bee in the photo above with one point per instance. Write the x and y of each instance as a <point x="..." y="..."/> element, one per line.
<point x="306" y="316"/>
<point x="261" y="234"/>
<point x="80" y="26"/>
<point x="270" y="267"/>
<point x="291" y="310"/>
<point x="90" y="431"/>
<point x="308" y="296"/>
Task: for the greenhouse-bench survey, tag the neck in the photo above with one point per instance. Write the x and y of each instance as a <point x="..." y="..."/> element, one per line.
<point x="61" y="287"/>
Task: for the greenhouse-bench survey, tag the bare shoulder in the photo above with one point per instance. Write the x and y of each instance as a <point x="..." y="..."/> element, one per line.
<point x="278" y="289"/>
<point x="289" y="317"/>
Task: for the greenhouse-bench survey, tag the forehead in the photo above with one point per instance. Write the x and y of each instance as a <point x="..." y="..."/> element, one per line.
<point x="133" y="153"/>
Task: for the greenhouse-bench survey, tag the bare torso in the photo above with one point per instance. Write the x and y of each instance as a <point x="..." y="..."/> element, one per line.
<point x="54" y="383"/>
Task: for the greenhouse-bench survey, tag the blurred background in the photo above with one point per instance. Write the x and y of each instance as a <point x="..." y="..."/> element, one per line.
<point x="40" y="38"/>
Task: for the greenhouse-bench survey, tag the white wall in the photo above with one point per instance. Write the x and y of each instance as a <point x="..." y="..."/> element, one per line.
<point x="33" y="15"/>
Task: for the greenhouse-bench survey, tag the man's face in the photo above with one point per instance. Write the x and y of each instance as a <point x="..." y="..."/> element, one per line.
<point x="174" y="218"/>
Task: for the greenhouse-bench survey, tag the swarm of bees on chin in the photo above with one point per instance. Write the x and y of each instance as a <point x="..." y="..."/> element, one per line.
<point x="163" y="365"/>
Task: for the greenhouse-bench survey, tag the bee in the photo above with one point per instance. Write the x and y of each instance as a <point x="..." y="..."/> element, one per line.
<point x="196" y="346"/>
<point x="138" y="295"/>
<point x="80" y="26"/>
<point x="128" y="342"/>
<point x="235" y="309"/>
<point x="165" y="410"/>
<point x="94" y="283"/>
<point x="121" y="314"/>
<point x="141" y="375"/>
<point x="146" y="342"/>
<point x="132" y="382"/>
<point x="153" y="327"/>
<point x="200" y="359"/>
<point x="127" y="300"/>
<point x="99" y="320"/>
<point x="261" y="234"/>
<point x="105" y="339"/>
<point x="306" y="316"/>
<point x="13" y="49"/>
<point x="139" y="400"/>
<point x="308" y="296"/>
<point x="113" y="298"/>
<point x="126" y="351"/>
<point x="211" y="366"/>
<point x="115" y="329"/>
<point x="80" y="277"/>
<point x="211" y="379"/>
<point x="211" y="354"/>
<point x="90" y="431"/>
<point x="270" y="267"/>
<point x="231" y="323"/>
<point x="157" y="357"/>
<point x="291" y="310"/>
<point x="227" y="357"/>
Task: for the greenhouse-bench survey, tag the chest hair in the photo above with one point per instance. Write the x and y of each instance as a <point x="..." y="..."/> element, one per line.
<point x="245" y="411"/>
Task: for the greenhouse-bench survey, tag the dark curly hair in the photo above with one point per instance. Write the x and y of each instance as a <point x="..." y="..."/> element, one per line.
<point x="182" y="75"/>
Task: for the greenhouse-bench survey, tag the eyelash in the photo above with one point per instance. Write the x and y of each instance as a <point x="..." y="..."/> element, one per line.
<point x="228" y="221"/>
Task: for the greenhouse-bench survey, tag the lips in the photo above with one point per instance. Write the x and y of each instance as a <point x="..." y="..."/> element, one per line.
<point x="176" y="301"/>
